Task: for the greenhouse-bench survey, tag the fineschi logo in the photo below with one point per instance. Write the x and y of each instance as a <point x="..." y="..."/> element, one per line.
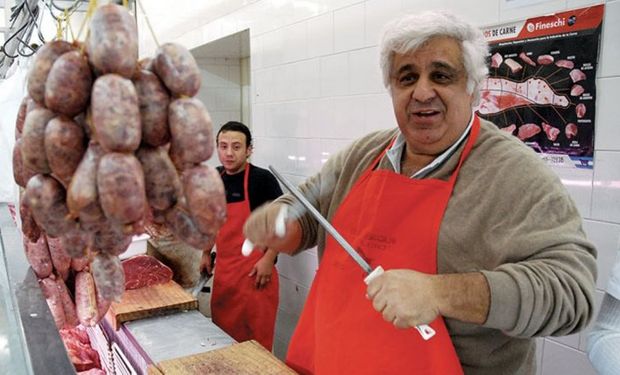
<point x="530" y="27"/>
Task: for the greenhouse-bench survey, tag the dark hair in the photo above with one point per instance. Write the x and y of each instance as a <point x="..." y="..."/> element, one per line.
<point x="236" y="126"/>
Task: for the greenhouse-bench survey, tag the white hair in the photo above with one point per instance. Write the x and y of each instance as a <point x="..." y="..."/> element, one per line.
<point x="406" y="34"/>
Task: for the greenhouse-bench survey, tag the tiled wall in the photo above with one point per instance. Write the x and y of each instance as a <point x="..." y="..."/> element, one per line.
<point x="221" y="91"/>
<point x="316" y="86"/>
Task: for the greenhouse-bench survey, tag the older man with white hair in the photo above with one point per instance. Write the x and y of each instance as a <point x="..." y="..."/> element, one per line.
<point x="478" y="238"/>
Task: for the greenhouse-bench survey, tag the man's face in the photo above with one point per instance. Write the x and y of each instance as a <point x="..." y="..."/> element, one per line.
<point x="429" y="94"/>
<point x="232" y="151"/>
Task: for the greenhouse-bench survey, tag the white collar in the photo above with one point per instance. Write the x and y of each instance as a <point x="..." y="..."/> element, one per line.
<point x="395" y="152"/>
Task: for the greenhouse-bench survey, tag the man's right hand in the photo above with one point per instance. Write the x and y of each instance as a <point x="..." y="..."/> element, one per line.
<point x="260" y="228"/>
<point x="206" y="262"/>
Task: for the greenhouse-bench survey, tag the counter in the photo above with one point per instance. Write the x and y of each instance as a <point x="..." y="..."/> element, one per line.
<point x="29" y="340"/>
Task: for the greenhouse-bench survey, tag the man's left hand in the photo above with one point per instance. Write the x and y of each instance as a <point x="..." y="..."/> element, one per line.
<point x="262" y="270"/>
<point x="405" y="298"/>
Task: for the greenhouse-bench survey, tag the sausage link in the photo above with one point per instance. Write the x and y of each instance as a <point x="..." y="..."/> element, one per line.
<point x="46" y="198"/>
<point x="68" y="85"/>
<point x="191" y="130"/>
<point x="64" y="147"/>
<point x="41" y="66"/>
<point x="206" y="198"/>
<point x="178" y="69"/>
<point x="33" y="140"/>
<point x="113" y="41"/>
<point x="115" y="114"/>
<point x="120" y="183"/>
<point x="153" y="100"/>
<point x="161" y="181"/>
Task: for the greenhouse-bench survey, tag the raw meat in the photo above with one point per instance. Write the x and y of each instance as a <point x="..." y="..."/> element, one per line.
<point x="526" y="59"/>
<point x="496" y="60"/>
<point x="580" y="110"/>
<point x="552" y="132"/>
<point x="565" y="64"/>
<point x="509" y="129"/>
<point x="576" y="90"/>
<point x="81" y="353"/>
<point x="528" y="131"/>
<point x="577" y="75"/>
<point x="499" y="94"/>
<point x="514" y="66"/>
<point x="545" y="59"/>
<point x="570" y="130"/>
<point x="144" y="270"/>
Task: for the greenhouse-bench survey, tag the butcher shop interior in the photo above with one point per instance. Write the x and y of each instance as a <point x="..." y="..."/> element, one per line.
<point x="115" y="210"/>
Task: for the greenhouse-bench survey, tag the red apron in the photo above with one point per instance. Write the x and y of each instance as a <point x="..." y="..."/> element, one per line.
<point x="393" y="221"/>
<point x="244" y="312"/>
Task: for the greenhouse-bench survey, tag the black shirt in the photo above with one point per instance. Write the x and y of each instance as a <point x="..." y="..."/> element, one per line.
<point x="262" y="186"/>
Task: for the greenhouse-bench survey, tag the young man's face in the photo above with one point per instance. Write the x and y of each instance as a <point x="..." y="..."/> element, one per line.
<point x="232" y="151"/>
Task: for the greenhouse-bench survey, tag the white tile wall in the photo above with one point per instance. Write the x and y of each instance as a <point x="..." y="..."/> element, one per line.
<point x="608" y="114"/>
<point x="364" y="73"/>
<point x="541" y="8"/>
<point x="316" y="86"/>
<point x="321" y="35"/>
<point x="606" y="190"/>
<point x="578" y="182"/>
<point x="333" y="81"/>
<point x="378" y="13"/>
<point x="349" y="28"/>
<point x="561" y="359"/>
<point x="610" y="53"/>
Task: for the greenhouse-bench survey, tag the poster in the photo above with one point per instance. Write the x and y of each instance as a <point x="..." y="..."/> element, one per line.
<point x="542" y="83"/>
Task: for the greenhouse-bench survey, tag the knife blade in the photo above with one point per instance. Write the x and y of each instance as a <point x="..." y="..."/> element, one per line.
<point x="425" y="330"/>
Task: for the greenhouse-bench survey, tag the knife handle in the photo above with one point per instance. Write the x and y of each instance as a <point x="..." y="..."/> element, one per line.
<point x="425" y="330"/>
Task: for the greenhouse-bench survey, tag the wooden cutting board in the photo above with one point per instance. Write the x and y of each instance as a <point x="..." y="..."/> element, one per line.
<point x="150" y="301"/>
<point x="246" y="358"/>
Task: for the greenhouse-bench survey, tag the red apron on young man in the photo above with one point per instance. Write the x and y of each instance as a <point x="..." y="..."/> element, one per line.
<point x="394" y="222"/>
<point x="237" y="306"/>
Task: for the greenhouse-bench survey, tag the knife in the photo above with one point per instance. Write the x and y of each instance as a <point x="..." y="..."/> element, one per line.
<point x="204" y="277"/>
<point x="425" y="330"/>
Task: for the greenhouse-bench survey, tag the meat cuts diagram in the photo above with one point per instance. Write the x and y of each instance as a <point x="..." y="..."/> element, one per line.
<point x="542" y="83"/>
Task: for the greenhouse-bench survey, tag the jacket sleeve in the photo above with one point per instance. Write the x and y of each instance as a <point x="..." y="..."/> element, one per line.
<point x="544" y="284"/>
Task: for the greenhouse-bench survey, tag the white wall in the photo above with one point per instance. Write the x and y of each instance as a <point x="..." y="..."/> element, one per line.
<point x="316" y="86"/>
<point x="221" y="92"/>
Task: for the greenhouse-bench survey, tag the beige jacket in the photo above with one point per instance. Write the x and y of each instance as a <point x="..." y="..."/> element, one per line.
<point x="510" y="218"/>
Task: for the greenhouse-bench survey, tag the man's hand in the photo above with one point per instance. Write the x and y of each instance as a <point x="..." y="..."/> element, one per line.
<point x="206" y="262"/>
<point x="405" y="298"/>
<point x="263" y="269"/>
<point x="260" y="228"/>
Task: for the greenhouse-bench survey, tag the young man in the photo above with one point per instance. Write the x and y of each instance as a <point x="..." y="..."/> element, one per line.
<point x="245" y="289"/>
